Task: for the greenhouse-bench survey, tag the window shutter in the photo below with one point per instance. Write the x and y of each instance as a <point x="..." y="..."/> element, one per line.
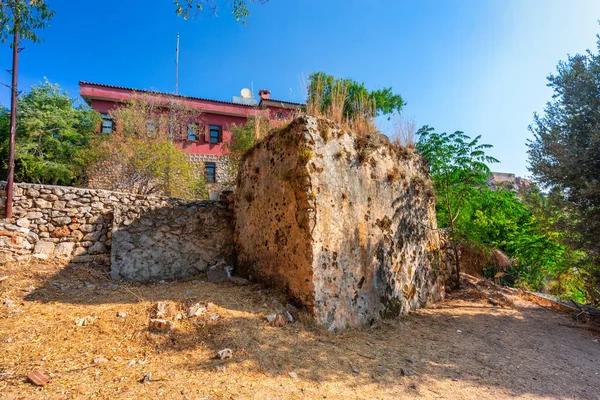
<point x="220" y="134"/>
<point x="206" y="134"/>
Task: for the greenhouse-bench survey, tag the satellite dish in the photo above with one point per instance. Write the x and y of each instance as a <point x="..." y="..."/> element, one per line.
<point x="246" y="93"/>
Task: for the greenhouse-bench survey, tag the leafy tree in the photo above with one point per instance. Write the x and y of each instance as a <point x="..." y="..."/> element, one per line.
<point x="191" y="8"/>
<point x="565" y="152"/>
<point x="497" y="219"/>
<point x="140" y="155"/>
<point x="243" y="138"/>
<point x="26" y="15"/>
<point x="351" y="99"/>
<point x="458" y="165"/>
<point x="53" y="130"/>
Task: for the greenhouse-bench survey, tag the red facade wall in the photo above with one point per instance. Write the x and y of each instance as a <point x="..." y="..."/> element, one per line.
<point x="104" y="98"/>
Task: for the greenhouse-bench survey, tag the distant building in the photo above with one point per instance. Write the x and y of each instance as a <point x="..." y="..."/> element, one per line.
<point x="206" y="138"/>
<point x="503" y="180"/>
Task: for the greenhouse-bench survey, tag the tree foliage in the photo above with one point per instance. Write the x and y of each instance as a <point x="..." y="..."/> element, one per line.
<point x="193" y="8"/>
<point x="564" y="155"/>
<point x="28" y="15"/>
<point x="139" y="155"/>
<point x="458" y="165"/>
<point x="352" y="98"/>
<point x="53" y="131"/>
<point x="497" y="219"/>
<point x="522" y="225"/>
<point x="243" y="138"/>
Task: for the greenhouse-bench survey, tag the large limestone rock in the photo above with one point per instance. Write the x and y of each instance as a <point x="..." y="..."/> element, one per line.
<point x="345" y="223"/>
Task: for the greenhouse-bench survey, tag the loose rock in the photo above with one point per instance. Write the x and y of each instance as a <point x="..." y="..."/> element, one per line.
<point x="161" y="309"/>
<point x="289" y="317"/>
<point x="239" y="281"/>
<point x="196" y="310"/>
<point x="219" y="271"/>
<point x="279" y="321"/>
<point x="38" y="378"/>
<point x="225" y="353"/>
<point x="221" y="368"/>
<point x="271" y="317"/>
<point x="85" y="321"/>
<point x="160" y="325"/>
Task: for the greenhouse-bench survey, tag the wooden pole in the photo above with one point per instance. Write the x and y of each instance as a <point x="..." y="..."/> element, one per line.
<point x="13" y="124"/>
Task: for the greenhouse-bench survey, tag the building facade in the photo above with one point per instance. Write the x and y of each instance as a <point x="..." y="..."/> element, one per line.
<point x="206" y="138"/>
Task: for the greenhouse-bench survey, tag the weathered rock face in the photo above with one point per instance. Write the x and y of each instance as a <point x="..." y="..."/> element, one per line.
<point x="170" y="242"/>
<point x="346" y="224"/>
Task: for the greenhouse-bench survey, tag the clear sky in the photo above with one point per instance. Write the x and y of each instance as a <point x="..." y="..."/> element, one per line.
<point x="479" y="66"/>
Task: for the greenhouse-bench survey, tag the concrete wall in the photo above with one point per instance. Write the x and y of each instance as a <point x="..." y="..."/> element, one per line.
<point x="345" y="223"/>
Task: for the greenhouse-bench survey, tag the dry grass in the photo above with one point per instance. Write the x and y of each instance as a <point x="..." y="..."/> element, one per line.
<point x="403" y="134"/>
<point x="363" y="123"/>
<point x="497" y="353"/>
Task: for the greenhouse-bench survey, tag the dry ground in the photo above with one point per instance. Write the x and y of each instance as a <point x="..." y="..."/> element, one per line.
<point x="463" y="348"/>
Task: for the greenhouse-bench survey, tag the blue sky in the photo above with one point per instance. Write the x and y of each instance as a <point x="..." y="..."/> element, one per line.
<point x="479" y="66"/>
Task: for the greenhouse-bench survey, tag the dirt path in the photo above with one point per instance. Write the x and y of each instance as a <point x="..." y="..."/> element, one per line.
<point x="459" y="349"/>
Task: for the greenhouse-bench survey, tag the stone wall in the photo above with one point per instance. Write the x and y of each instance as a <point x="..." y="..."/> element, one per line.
<point x="223" y="177"/>
<point x="170" y="242"/>
<point x="65" y="222"/>
<point x="346" y="223"/>
<point x="156" y="238"/>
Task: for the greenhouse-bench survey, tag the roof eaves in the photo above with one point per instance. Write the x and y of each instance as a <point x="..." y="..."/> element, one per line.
<point x="162" y="93"/>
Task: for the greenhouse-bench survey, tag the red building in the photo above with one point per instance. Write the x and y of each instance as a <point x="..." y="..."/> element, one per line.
<point x="204" y="143"/>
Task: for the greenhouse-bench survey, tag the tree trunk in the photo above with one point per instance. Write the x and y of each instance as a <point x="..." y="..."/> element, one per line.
<point x="13" y="124"/>
<point x="454" y="244"/>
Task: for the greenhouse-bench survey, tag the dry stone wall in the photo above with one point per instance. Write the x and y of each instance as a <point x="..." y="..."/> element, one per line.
<point x="170" y="242"/>
<point x="149" y="237"/>
<point x="55" y="221"/>
<point x="345" y="223"/>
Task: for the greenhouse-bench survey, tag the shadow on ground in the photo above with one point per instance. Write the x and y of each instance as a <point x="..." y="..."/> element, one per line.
<point x="454" y="349"/>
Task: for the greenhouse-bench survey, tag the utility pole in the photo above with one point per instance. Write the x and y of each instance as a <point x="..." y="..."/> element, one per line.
<point x="13" y="124"/>
<point x="177" y="66"/>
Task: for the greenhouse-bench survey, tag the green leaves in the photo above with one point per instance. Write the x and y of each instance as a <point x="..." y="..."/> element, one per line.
<point x="357" y="99"/>
<point x="564" y="156"/>
<point x="141" y="152"/>
<point x="194" y="8"/>
<point x="27" y="15"/>
<point x="457" y="163"/>
<point x="497" y="219"/>
<point x="52" y="131"/>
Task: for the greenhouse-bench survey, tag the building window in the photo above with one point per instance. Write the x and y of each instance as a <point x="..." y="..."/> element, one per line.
<point x="150" y="125"/>
<point x="192" y="132"/>
<point x="279" y="115"/>
<point x="211" y="171"/>
<point x="107" y="124"/>
<point x="215" y="134"/>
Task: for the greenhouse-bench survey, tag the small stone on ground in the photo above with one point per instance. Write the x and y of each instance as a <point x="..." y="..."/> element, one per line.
<point x="225" y="353"/>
